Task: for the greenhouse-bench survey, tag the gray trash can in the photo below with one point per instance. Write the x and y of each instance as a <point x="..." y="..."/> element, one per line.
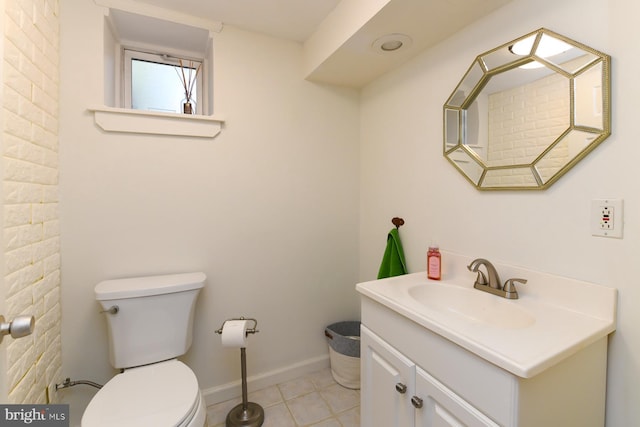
<point x="344" y="352"/>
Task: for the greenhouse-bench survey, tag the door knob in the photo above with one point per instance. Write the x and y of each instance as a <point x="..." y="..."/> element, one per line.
<point x="19" y="327"/>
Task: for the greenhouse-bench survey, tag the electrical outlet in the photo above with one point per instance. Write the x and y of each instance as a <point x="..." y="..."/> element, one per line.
<point x="607" y="218"/>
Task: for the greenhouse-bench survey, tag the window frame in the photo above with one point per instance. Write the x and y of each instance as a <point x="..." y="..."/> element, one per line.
<point x="130" y="53"/>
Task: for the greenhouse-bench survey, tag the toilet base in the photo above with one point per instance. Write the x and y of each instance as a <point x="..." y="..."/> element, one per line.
<point x="251" y="416"/>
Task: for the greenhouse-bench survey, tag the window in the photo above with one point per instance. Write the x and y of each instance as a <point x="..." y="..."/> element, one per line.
<point x="156" y="82"/>
<point x="142" y="51"/>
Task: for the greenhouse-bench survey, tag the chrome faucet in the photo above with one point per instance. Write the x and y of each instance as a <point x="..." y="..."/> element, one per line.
<point x="493" y="284"/>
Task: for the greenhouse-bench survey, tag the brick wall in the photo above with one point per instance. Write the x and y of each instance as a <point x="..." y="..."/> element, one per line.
<point x="30" y="188"/>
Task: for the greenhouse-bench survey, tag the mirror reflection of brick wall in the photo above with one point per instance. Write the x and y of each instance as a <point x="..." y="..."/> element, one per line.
<point x="525" y="120"/>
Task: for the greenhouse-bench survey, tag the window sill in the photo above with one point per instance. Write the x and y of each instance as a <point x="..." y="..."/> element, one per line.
<point x="149" y="122"/>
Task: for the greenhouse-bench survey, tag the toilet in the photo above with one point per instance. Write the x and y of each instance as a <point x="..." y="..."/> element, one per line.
<point x="150" y="323"/>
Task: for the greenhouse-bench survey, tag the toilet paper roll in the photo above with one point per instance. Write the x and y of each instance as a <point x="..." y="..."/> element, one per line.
<point x="234" y="333"/>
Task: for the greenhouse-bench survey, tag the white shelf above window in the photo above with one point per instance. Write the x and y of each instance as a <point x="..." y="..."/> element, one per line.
<point x="126" y="120"/>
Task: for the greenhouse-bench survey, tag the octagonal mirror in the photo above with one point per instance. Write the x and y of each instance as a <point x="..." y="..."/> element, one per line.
<point x="527" y="111"/>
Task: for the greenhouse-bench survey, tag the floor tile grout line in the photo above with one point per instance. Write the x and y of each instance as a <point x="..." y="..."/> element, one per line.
<point x="333" y="414"/>
<point x="317" y="389"/>
<point x="286" y="405"/>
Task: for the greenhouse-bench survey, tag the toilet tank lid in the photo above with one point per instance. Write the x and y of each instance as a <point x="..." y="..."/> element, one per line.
<point x="134" y="287"/>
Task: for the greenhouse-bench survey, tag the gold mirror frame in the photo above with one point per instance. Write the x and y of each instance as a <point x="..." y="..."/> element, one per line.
<point x="528" y="141"/>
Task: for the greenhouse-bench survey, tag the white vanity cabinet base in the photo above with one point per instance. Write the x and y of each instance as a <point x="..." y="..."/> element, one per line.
<point x="459" y="388"/>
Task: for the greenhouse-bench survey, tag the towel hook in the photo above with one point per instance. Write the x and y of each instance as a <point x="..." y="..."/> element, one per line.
<point x="397" y="221"/>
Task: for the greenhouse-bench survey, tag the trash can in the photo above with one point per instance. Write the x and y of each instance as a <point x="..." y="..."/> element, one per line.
<point x="344" y="352"/>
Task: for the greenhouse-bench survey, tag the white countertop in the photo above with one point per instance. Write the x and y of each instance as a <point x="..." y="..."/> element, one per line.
<point x="554" y="317"/>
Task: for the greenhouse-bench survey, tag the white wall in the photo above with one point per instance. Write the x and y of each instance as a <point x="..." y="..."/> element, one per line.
<point x="267" y="209"/>
<point x="404" y="173"/>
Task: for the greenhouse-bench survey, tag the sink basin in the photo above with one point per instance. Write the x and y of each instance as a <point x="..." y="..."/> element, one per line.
<point x="473" y="305"/>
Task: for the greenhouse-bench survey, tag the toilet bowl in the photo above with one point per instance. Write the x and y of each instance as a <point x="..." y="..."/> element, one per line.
<point x="150" y="323"/>
<point x="162" y="394"/>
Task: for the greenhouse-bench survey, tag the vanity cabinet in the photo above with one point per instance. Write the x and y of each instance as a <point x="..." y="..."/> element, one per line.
<point x="413" y="376"/>
<point x="397" y="393"/>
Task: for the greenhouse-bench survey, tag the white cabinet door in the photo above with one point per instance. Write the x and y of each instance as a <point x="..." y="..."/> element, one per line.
<point x="441" y="407"/>
<point x="388" y="383"/>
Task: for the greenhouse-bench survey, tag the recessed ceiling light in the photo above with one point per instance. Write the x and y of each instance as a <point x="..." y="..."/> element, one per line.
<point x="391" y="43"/>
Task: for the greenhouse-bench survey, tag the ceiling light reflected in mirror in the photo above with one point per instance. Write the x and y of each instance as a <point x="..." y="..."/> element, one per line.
<point x="547" y="48"/>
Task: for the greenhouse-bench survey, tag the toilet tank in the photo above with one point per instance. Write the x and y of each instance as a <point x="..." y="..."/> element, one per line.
<point x="154" y="318"/>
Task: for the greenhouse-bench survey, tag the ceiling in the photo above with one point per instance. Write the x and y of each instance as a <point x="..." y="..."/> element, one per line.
<point x="288" y="19"/>
<point x="339" y="36"/>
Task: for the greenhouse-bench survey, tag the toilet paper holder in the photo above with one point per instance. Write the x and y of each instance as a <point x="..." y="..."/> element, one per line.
<point x="245" y="414"/>
<point x="249" y="330"/>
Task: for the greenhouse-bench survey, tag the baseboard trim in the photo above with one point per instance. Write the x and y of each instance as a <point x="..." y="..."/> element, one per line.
<point x="233" y="389"/>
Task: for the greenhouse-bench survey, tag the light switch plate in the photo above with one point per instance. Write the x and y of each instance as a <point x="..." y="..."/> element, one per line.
<point x="607" y="218"/>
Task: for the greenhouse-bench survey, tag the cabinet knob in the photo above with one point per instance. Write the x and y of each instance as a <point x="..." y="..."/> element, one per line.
<point x="401" y="388"/>
<point x="416" y="401"/>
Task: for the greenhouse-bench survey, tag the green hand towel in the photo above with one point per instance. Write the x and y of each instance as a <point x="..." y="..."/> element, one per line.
<point x="393" y="263"/>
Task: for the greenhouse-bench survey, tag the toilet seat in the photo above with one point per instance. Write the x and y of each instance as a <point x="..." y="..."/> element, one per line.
<point x="161" y="394"/>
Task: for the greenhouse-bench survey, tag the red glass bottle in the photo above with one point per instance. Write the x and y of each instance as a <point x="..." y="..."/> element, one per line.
<point x="434" y="263"/>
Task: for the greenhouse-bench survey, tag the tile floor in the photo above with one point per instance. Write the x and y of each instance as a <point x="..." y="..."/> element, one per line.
<point x="312" y="400"/>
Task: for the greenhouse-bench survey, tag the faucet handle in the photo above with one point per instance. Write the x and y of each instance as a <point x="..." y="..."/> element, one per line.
<point x="510" y="288"/>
